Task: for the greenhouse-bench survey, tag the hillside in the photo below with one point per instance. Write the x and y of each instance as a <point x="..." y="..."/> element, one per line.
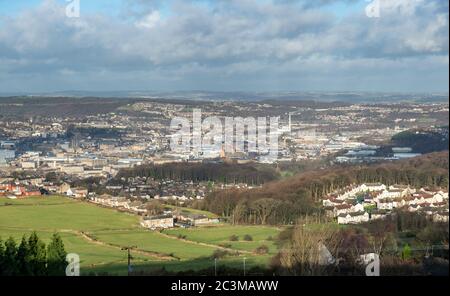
<point x="423" y="141"/>
<point x="98" y="235"/>
<point x="286" y="200"/>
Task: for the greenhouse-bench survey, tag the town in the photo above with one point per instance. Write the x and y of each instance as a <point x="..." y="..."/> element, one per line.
<point x="100" y="145"/>
<point x="92" y="156"/>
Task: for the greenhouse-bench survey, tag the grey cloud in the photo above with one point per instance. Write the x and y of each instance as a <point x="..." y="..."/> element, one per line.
<point x="225" y="43"/>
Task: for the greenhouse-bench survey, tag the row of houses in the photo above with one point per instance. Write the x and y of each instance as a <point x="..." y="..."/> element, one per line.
<point x="111" y="201"/>
<point x="134" y="206"/>
<point x="37" y="187"/>
<point x="158" y="222"/>
<point x="143" y="187"/>
<point x="167" y="220"/>
<point x="14" y="191"/>
<point x="353" y="218"/>
<point x="172" y="219"/>
<point x="358" y="204"/>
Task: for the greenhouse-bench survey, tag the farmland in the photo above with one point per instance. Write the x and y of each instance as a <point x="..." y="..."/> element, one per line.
<point x="97" y="234"/>
<point x="221" y="235"/>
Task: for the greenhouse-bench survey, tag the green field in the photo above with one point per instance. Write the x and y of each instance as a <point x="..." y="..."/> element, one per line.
<point x="221" y="234"/>
<point x="97" y="234"/>
<point x="192" y="211"/>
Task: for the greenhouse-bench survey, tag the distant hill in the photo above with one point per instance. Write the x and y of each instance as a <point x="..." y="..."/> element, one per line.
<point x="423" y="141"/>
<point x="338" y="96"/>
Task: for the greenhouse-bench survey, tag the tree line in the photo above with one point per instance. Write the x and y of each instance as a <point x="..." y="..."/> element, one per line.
<point x="32" y="257"/>
<point x="282" y="202"/>
<point x="203" y="172"/>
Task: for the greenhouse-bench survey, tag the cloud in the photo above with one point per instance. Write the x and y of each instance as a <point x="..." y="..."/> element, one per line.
<point x="226" y="45"/>
<point x="150" y="20"/>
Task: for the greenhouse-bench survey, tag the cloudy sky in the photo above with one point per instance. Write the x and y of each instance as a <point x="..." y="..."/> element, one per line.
<point x="224" y="45"/>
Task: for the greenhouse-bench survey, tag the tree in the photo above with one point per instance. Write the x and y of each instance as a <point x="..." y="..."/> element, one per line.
<point x="264" y="208"/>
<point x="37" y="255"/>
<point x="31" y="259"/>
<point x="240" y="212"/>
<point x="51" y="177"/>
<point x="56" y="256"/>
<point x="154" y="207"/>
<point x="308" y="252"/>
<point x="406" y="252"/>
<point x="9" y="259"/>
<point x="382" y="236"/>
<point x="2" y="255"/>
<point x="23" y="257"/>
<point x="353" y="244"/>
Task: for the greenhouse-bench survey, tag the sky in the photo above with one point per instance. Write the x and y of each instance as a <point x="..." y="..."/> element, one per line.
<point x="224" y="45"/>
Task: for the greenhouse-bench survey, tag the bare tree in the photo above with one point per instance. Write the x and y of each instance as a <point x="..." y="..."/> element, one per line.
<point x="310" y="251"/>
<point x="264" y="208"/>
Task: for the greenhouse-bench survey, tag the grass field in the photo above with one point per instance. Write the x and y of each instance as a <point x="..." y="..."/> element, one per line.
<point x="221" y="234"/>
<point x="97" y="234"/>
<point x="192" y="211"/>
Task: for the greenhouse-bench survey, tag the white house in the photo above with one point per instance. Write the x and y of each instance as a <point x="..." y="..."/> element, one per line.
<point x="372" y="187"/>
<point x="342" y="209"/>
<point x="353" y="218"/>
<point x="357" y="208"/>
<point x="158" y="222"/>
<point x="385" y="204"/>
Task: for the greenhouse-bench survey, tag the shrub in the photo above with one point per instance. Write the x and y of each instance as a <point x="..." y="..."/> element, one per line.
<point x="261" y="250"/>
<point x="234" y="238"/>
<point x="248" y="237"/>
<point x="406" y="252"/>
<point x="219" y="254"/>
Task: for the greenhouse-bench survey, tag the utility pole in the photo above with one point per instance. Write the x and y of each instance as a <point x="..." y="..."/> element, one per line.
<point x="215" y="266"/>
<point x="128" y="249"/>
<point x="244" y="265"/>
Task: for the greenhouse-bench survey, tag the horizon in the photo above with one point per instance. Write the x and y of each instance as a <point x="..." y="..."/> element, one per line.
<point x="286" y="91"/>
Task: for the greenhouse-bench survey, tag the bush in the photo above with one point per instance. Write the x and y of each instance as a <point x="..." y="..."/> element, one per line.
<point x="219" y="254"/>
<point x="225" y="245"/>
<point x="261" y="250"/>
<point x="248" y="237"/>
<point x="270" y="238"/>
<point x="234" y="238"/>
<point x="406" y="252"/>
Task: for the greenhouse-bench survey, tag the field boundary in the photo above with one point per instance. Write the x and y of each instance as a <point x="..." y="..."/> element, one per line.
<point x="156" y="255"/>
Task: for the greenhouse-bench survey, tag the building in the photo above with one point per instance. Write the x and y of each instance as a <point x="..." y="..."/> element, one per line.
<point x="63" y="188"/>
<point x="77" y="192"/>
<point x="373" y="187"/>
<point x="195" y="219"/>
<point x="353" y="218"/>
<point x="18" y="190"/>
<point x="157" y="222"/>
